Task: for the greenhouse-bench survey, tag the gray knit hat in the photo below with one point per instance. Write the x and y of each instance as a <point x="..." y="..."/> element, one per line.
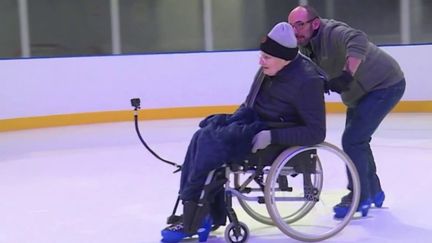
<point x="281" y="42"/>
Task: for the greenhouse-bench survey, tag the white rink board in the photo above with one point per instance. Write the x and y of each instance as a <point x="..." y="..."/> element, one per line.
<point x="49" y="86"/>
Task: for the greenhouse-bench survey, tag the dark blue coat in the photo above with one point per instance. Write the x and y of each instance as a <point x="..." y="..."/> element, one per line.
<point x="291" y="104"/>
<point x="222" y="139"/>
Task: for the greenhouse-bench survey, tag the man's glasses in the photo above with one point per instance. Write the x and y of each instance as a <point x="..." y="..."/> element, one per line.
<point x="299" y="25"/>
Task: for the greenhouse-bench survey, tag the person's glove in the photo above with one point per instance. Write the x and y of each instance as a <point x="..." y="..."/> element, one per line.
<point x="340" y="83"/>
<point x="261" y="140"/>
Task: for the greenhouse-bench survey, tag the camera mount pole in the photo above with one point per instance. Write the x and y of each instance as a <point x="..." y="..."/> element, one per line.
<point x="135" y="102"/>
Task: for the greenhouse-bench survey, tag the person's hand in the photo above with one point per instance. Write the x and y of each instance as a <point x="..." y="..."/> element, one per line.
<point x="340" y="83"/>
<point x="261" y="140"/>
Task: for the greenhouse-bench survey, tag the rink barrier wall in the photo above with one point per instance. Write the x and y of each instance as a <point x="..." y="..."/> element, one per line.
<point x="46" y="92"/>
<point x="159" y="114"/>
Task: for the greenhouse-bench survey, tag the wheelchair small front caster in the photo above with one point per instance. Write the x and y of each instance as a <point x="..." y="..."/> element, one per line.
<point x="236" y="233"/>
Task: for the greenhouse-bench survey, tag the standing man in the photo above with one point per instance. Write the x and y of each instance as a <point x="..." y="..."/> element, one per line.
<point x="370" y="83"/>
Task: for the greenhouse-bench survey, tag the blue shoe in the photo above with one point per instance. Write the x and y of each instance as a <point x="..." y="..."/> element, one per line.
<point x="176" y="233"/>
<point x="342" y="208"/>
<point x="204" y="231"/>
<point x="378" y="199"/>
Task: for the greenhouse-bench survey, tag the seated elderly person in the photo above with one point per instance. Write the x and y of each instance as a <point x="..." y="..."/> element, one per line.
<point x="285" y="107"/>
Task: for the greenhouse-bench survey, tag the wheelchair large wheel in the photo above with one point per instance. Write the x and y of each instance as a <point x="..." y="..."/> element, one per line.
<point x="317" y="222"/>
<point x="256" y="211"/>
<point x="260" y="213"/>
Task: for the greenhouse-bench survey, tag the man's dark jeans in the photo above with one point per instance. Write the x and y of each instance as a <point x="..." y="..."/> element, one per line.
<point x="361" y="122"/>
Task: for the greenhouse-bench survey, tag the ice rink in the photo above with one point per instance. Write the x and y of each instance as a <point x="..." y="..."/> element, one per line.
<point x="98" y="184"/>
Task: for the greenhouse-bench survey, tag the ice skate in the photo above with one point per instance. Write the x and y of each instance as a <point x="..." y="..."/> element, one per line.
<point x="342" y="208"/>
<point x="176" y="232"/>
<point x="378" y="199"/>
<point x="195" y="221"/>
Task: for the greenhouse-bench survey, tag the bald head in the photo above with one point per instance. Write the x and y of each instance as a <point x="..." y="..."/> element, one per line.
<point x="298" y="13"/>
<point x="305" y="21"/>
<point x="303" y="12"/>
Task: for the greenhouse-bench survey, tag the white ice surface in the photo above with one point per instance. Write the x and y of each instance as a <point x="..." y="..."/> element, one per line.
<point x="97" y="183"/>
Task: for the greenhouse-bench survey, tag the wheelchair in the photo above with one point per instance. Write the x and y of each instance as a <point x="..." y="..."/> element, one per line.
<point x="286" y="188"/>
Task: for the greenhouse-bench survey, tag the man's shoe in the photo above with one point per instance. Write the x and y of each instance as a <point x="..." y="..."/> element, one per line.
<point x="378" y="199"/>
<point x="342" y="208"/>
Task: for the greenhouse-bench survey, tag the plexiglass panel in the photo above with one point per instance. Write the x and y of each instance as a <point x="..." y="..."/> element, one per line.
<point x="82" y="27"/>
<point x="68" y="28"/>
<point x="9" y="29"/>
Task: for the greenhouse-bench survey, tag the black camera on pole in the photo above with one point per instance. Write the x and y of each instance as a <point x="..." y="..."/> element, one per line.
<point x="136" y="102"/>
